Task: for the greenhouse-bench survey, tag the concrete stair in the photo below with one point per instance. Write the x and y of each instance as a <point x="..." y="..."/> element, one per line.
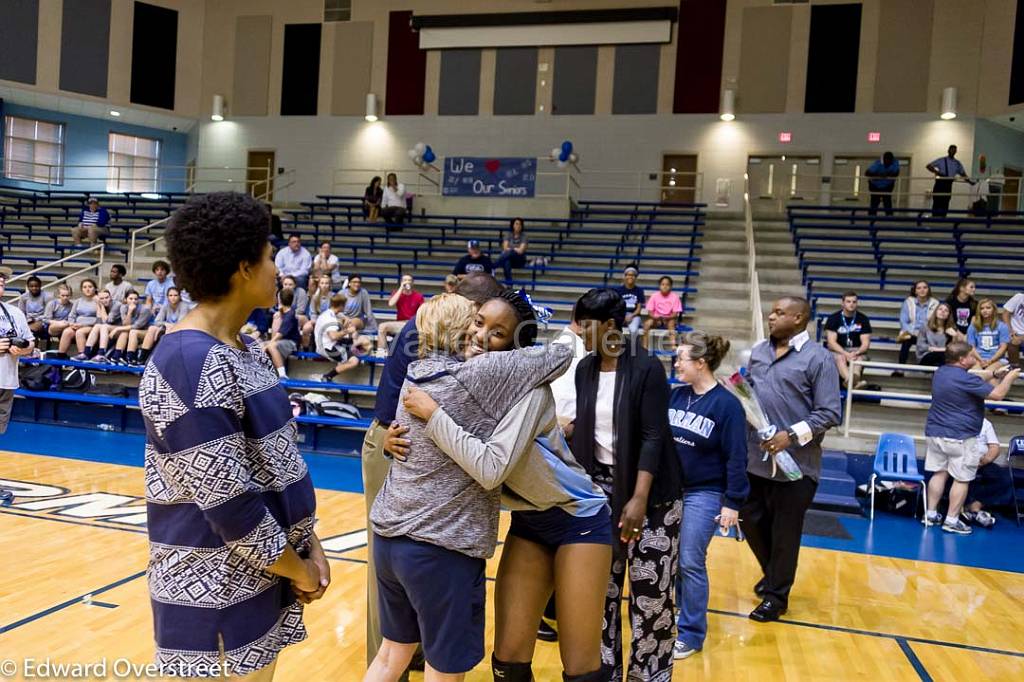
<point x="722" y="303"/>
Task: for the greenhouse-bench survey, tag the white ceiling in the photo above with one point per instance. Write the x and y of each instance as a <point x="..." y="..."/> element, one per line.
<point x="96" y="109"/>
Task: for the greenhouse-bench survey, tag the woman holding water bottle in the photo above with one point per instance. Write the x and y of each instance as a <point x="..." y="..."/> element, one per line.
<point x="710" y="433"/>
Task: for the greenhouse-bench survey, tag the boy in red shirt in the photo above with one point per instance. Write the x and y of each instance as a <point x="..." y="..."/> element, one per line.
<point x="406" y="301"/>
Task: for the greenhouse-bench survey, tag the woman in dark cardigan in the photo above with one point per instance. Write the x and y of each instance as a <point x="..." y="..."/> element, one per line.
<point x="623" y="439"/>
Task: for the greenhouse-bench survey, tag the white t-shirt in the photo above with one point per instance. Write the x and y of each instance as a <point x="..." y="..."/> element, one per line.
<point x="604" y="419"/>
<point x="564" y="387"/>
<point x="988" y="437"/>
<point x="9" y="363"/>
<point x="1015" y="306"/>
<point x="393" y="197"/>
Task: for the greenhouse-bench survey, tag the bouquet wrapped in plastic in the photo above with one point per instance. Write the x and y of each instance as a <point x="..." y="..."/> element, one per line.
<point x="739" y="386"/>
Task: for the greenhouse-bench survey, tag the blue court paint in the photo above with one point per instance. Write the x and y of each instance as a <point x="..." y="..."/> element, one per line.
<point x="922" y="672"/>
<point x="103" y="604"/>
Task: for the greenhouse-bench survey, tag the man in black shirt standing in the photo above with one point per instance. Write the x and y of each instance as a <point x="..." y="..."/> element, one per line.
<point x="473" y="261"/>
<point x="848" y="336"/>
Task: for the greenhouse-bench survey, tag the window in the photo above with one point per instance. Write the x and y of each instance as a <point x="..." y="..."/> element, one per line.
<point x="337" y="10"/>
<point x="133" y="163"/>
<point x="33" y="150"/>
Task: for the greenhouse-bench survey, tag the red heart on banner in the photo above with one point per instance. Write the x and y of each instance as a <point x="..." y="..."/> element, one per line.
<point x="492" y="165"/>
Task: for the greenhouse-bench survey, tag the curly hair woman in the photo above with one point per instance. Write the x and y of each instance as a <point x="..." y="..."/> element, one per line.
<point x="233" y="556"/>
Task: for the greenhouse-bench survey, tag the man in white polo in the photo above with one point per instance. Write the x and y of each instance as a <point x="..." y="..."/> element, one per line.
<point x="954" y="421"/>
<point x="16" y="339"/>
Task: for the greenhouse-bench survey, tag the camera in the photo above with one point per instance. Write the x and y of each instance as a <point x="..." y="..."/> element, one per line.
<point x="19" y="343"/>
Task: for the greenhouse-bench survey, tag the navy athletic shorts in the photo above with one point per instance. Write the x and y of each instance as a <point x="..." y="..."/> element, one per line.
<point x="431" y="595"/>
<point x="556" y="527"/>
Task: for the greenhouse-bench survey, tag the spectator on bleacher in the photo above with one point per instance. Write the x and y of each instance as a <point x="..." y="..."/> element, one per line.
<point x="326" y="263"/>
<point x="513" y="250"/>
<point x="450" y="282"/>
<point x="86" y="311"/>
<point x="709" y="428"/>
<point x="171" y="314"/>
<point x="276" y="231"/>
<point x="336" y="342"/>
<point x="988" y="335"/>
<point x="371" y="199"/>
<point x="33" y="304"/>
<point x="16" y="340"/>
<point x="92" y="223"/>
<point x="914" y="314"/>
<point x="934" y="336"/>
<point x="474" y="261"/>
<point x="358" y="310"/>
<point x="954" y="421"/>
<point x="945" y="170"/>
<point x="55" y="317"/>
<point x="319" y="301"/>
<point x="663" y="310"/>
<point x="848" y="336"/>
<point x="406" y="301"/>
<point x="294" y="261"/>
<point x="134" y="324"/>
<point x="990" y="481"/>
<point x="100" y="335"/>
<point x="634" y="298"/>
<point x="962" y="304"/>
<point x="300" y="299"/>
<point x="284" y="333"/>
<point x="392" y="203"/>
<point x="1013" y="317"/>
<point x="118" y="286"/>
<point x="156" y="288"/>
<point x="797" y="384"/>
<point x="882" y="174"/>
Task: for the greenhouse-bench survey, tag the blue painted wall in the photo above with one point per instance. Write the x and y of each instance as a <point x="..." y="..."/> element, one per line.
<point x="86" y="144"/>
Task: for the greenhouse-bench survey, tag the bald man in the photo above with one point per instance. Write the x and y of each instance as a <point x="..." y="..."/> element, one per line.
<point x="797" y="384"/>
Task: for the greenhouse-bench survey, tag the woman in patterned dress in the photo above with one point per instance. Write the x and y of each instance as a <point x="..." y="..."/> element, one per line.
<point x="230" y="503"/>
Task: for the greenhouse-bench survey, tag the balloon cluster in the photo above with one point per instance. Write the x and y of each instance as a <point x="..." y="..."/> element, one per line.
<point x="422" y="155"/>
<point x="564" y="155"/>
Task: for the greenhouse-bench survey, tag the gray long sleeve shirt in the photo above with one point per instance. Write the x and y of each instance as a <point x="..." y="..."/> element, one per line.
<point x="798" y="390"/>
<point x="429" y="497"/>
<point x="528" y="453"/>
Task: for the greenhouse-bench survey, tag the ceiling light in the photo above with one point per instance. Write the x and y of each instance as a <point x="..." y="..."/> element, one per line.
<point x="115" y="113"/>
<point x="948" y="104"/>
<point x="727" y="109"/>
<point x="218" y="108"/>
<point x="371" y="107"/>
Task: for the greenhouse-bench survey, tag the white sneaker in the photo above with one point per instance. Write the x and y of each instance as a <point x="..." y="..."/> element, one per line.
<point x="958" y="527"/>
<point x="681" y="650"/>
<point x="380" y="353"/>
<point x="984" y="519"/>
<point x="932" y="519"/>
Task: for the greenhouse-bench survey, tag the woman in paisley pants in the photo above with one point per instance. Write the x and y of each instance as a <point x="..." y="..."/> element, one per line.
<point x="623" y="439"/>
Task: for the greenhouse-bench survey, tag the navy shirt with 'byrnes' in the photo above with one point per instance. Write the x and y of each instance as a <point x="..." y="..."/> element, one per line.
<point x="958" y="404"/>
<point x="710" y="434"/>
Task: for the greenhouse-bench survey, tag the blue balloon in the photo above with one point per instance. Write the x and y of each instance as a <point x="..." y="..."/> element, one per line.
<point x="567" y="147"/>
<point x="428" y="155"/>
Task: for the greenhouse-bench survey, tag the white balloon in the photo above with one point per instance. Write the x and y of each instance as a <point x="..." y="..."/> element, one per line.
<point x="563" y="164"/>
<point x="413" y="154"/>
<point x="420" y="148"/>
<point x="555" y="152"/>
<point x="418" y="160"/>
<point x="574" y="157"/>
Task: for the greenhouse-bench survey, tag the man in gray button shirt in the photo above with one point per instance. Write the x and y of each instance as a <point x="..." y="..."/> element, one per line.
<point x="797" y="384"/>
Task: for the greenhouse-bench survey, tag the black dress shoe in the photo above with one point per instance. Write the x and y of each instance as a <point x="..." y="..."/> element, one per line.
<point x="546" y="633"/>
<point x="759" y="588"/>
<point x="767" y="611"/>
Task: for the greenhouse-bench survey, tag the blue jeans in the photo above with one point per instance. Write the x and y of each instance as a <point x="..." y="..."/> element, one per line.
<point x="508" y="260"/>
<point x="700" y="508"/>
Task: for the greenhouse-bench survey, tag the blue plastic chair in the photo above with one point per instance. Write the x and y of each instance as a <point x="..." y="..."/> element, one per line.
<point x="896" y="460"/>
<point x="1016" y="449"/>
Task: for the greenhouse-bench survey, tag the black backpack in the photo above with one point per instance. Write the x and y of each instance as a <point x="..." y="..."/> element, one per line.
<point x="37" y="377"/>
<point x="77" y="379"/>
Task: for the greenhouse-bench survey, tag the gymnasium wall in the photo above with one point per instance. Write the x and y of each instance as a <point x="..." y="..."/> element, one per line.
<point x="86" y="143"/>
<point x="1002" y="146"/>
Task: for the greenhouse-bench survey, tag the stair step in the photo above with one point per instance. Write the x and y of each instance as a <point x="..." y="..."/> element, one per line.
<point x="838" y="504"/>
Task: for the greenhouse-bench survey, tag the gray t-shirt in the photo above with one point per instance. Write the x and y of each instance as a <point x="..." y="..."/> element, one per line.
<point x="430" y="498"/>
<point x="118" y="291"/>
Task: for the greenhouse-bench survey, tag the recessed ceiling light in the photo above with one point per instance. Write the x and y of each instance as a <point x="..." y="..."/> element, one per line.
<point x="115" y="113"/>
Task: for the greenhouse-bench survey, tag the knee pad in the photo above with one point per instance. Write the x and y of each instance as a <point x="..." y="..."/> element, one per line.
<point x="511" y="672"/>
<point x="602" y="674"/>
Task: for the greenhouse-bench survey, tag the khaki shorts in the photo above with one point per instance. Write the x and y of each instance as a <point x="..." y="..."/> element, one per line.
<point x="959" y="457"/>
<point x="6" y="404"/>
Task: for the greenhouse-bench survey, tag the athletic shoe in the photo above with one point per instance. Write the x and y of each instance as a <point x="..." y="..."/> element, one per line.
<point x="81" y="357"/>
<point x="932" y="519"/>
<point x="967" y="516"/>
<point x="681" y="650"/>
<point x="546" y="633"/>
<point x="958" y="527"/>
<point x="327" y="378"/>
<point x="984" y="519"/>
<point x="100" y="358"/>
<point x="380" y="353"/>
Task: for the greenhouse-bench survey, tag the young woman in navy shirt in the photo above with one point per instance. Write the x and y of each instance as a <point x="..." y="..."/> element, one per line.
<point x="710" y="433"/>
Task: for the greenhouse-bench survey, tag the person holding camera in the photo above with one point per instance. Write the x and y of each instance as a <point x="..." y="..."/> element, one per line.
<point x="16" y="339"/>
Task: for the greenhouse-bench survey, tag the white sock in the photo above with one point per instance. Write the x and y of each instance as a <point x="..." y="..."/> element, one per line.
<point x="281" y="372"/>
<point x="951" y="520"/>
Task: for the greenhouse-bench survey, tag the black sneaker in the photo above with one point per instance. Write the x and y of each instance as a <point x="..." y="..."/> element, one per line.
<point x="6" y="497"/>
<point x="546" y="633"/>
<point x="767" y="611"/>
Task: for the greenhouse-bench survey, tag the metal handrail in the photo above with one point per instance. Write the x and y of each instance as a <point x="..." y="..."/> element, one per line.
<point x="98" y="266"/>
<point x="757" y="318"/>
<point x="917" y="397"/>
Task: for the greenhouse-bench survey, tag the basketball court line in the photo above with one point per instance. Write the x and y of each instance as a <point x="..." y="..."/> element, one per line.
<point x="922" y="672"/>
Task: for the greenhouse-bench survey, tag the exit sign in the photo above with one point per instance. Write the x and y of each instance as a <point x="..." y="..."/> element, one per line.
<point x="874" y="136"/>
<point x="785" y="137"/>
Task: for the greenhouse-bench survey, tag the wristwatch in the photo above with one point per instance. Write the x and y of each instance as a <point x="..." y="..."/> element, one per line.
<point x="792" y="435"/>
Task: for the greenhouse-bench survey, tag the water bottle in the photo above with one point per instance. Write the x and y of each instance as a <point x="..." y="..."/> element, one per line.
<point x="107" y="427"/>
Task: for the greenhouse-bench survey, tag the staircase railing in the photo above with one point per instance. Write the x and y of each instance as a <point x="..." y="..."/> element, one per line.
<point x="277" y="182"/>
<point x="97" y="266"/>
<point x="756" y="315"/>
